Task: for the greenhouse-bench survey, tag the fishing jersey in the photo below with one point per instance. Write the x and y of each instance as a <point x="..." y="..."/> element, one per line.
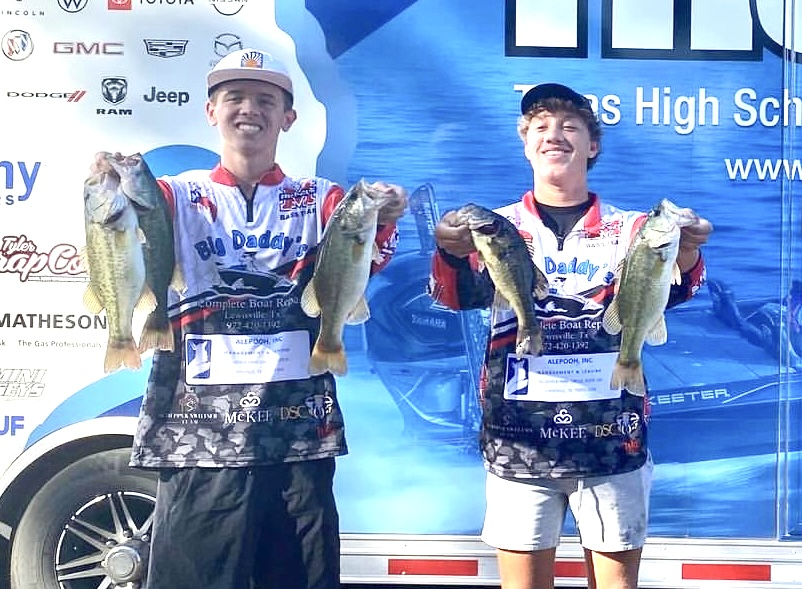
<point x="555" y="416"/>
<point x="236" y="391"/>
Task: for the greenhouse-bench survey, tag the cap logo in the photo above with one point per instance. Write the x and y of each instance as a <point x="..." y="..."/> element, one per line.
<point x="252" y="59"/>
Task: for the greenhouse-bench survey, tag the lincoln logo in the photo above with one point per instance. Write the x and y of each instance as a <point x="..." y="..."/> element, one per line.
<point x="114" y="90"/>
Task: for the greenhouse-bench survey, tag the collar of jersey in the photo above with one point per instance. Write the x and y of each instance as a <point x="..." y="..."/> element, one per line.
<point x="272" y="177"/>
<point x="592" y="220"/>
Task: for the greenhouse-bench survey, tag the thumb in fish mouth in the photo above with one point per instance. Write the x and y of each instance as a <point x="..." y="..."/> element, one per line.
<point x="693" y="235"/>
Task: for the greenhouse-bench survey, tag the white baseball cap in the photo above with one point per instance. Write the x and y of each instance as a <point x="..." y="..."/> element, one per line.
<point x="249" y="64"/>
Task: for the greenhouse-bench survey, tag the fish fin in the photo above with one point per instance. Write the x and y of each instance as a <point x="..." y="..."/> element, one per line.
<point x="528" y="343"/>
<point x="658" y="334"/>
<point x="618" y="274"/>
<point x="611" y="320"/>
<point x="334" y="361"/>
<point x="140" y="235"/>
<point x="155" y="336"/>
<point x="541" y="287"/>
<point x="83" y="256"/>
<point x="676" y="274"/>
<point x="309" y="302"/>
<point x="480" y="262"/>
<point x="628" y="376"/>
<point x="177" y="282"/>
<point x="147" y="300"/>
<point x="92" y="301"/>
<point x="530" y="246"/>
<point x="122" y="353"/>
<point x="376" y="255"/>
<point x="360" y="313"/>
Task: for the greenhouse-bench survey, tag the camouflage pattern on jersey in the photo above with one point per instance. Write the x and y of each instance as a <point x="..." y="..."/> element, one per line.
<point x="544" y="439"/>
<point x="236" y="425"/>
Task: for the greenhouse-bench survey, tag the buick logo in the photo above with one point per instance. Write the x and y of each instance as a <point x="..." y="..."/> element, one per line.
<point x="228" y="7"/>
<point x="17" y="45"/>
<point x="73" y="5"/>
<point x="114" y="90"/>
<point x="226" y="43"/>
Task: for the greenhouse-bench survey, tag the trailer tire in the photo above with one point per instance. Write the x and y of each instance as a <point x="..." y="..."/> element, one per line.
<point x="89" y="521"/>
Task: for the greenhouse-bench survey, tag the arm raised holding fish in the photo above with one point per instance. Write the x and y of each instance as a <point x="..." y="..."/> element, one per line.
<point x="572" y="408"/>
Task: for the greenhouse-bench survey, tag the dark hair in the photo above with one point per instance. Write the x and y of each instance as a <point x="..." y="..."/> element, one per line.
<point x="555" y="105"/>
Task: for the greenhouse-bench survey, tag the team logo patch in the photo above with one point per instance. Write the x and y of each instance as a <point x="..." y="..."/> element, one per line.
<point x="253" y="59"/>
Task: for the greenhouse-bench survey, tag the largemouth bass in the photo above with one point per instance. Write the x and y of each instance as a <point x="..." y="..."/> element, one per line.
<point x="336" y="291"/>
<point x="139" y="185"/>
<point x="509" y="262"/>
<point x="643" y="283"/>
<point x="115" y="263"/>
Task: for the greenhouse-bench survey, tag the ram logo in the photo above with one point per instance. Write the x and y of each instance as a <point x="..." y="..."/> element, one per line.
<point x="114" y="90"/>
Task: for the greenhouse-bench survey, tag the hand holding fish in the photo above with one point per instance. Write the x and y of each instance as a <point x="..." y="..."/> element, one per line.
<point x="454" y="236"/>
<point x="102" y="165"/>
<point x="692" y="236"/>
<point x="396" y="204"/>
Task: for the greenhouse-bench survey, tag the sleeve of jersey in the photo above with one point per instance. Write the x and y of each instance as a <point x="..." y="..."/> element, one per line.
<point x="386" y="235"/>
<point x="691" y="282"/>
<point x="168" y="195"/>
<point x="457" y="284"/>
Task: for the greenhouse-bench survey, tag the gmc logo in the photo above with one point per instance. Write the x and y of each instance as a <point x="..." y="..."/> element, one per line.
<point x="668" y="29"/>
<point x="80" y="48"/>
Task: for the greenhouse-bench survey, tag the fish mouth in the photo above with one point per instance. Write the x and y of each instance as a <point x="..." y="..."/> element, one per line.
<point x="484" y="227"/>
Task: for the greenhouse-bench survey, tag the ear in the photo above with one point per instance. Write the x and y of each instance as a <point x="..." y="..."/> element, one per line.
<point x="211" y="114"/>
<point x="594" y="149"/>
<point x="289" y="119"/>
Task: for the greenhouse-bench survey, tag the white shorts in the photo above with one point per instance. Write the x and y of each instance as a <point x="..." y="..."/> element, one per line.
<point x="611" y="512"/>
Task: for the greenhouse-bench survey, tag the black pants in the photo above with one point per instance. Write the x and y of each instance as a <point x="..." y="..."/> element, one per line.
<point x="269" y="527"/>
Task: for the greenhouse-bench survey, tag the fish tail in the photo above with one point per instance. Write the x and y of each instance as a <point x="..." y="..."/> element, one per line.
<point x="529" y="342"/>
<point x="323" y="360"/>
<point x="122" y="353"/>
<point x="156" y="335"/>
<point x="629" y="376"/>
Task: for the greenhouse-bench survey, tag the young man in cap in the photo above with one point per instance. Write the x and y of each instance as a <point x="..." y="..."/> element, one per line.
<point x="588" y="452"/>
<point x="246" y="463"/>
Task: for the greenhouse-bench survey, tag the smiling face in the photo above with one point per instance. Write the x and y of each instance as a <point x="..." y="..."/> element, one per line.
<point x="558" y="145"/>
<point x="249" y="115"/>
